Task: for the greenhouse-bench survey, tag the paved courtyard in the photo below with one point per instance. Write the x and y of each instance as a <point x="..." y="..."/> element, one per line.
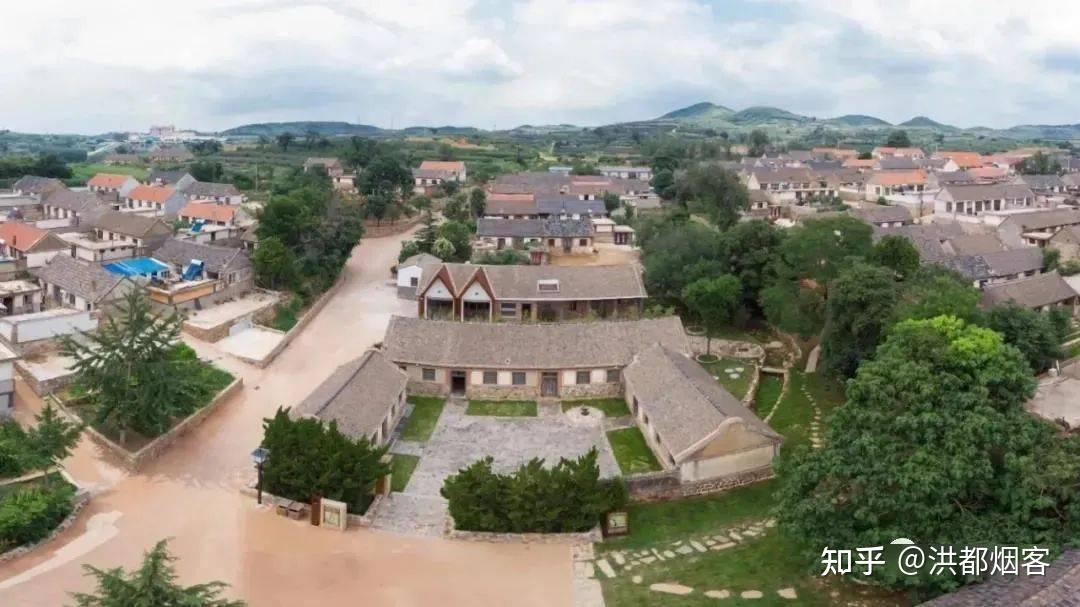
<point x="461" y="439"/>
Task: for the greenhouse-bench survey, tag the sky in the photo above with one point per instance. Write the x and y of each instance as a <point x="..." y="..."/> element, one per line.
<point x="92" y="67"/>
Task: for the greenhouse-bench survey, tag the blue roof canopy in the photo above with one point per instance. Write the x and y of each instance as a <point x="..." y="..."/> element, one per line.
<point x="139" y="266"/>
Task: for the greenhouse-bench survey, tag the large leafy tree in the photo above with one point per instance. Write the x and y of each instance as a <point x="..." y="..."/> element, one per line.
<point x="1037" y="335"/>
<point x="896" y="253"/>
<point x="678" y="253"/>
<point x="933" y="444"/>
<point x="53" y="437"/>
<point x="937" y="291"/>
<point x="153" y="583"/>
<point x="309" y="458"/>
<point x="898" y="139"/>
<point x="860" y="304"/>
<point x="274" y="264"/>
<point x="130" y="369"/>
<point x="748" y="250"/>
<point x="714" y="302"/>
<point x="386" y="175"/>
<point x="715" y="192"/>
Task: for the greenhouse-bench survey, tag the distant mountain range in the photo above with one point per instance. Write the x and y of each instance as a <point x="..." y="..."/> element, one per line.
<point x="699" y="116"/>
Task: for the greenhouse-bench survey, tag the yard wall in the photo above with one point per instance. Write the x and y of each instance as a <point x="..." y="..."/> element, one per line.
<point x="665" y="486"/>
<point x="591" y="536"/>
<point x="371" y="230"/>
<point x="221" y="331"/>
<point x="308" y="316"/>
<point x="42" y="388"/>
<point x="355" y="520"/>
<point x="134" y="461"/>
<point x="82" y="497"/>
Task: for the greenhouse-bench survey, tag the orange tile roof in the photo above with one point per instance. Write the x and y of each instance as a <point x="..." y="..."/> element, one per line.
<point x="964" y="160"/>
<point x="21" y="236"/>
<point x="107" y="180"/>
<point x="884" y="149"/>
<point x="897" y="177"/>
<point x="208" y="211"/>
<point x="442" y="165"/>
<point x="860" y="163"/>
<point x="500" y="197"/>
<point x="993" y="172"/>
<point x="152" y="193"/>
<point x="838" y="153"/>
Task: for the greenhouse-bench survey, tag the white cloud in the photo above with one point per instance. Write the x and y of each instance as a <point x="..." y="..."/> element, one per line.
<point x="122" y="64"/>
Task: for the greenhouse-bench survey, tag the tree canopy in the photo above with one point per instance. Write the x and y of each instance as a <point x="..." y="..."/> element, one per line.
<point x="898" y="139"/>
<point x="714" y="302"/>
<point x="714" y="192"/>
<point x="860" y="305"/>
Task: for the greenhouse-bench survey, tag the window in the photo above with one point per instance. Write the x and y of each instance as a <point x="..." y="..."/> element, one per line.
<point x="414" y="281"/>
<point x="429" y="374"/>
<point x="518" y="378"/>
<point x="547" y="286"/>
<point x="613" y="376"/>
<point x="584" y="242"/>
<point x="508" y="309"/>
<point x="583" y="377"/>
<point x="491" y="377"/>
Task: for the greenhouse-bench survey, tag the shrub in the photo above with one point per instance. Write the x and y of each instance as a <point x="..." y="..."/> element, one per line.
<point x="567" y="497"/>
<point x="15" y="450"/>
<point x="31" y="513"/>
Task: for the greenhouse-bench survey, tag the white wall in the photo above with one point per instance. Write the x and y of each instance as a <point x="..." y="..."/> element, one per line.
<point x="406" y="274"/>
<point x="33" y="327"/>
<point x="36" y="260"/>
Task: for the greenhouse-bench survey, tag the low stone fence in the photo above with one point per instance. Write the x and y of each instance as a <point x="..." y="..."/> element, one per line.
<point x="665" y="485"/>
<point x="45" y="386"/>
<point x="355" y="520"/>
<point x="303" y="321"/>
<point x="587" y="537"/>
<point x="134" y="461"/>
<point x="82" y="497"/>
<point x="371" y="230"/>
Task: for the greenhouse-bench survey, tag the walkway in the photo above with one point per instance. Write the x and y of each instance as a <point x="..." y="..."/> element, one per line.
<point x="192" y="495"/>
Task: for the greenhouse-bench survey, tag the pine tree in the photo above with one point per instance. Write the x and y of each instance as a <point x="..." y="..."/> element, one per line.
<point x="53" y="437"/>
<point x="153" y="583"/>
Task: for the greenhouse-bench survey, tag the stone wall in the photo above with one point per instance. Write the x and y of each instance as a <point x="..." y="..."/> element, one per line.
<point x="580" y="391"/>
<point x="664" y="486"/>
<point x="42" y="388"/>
<point x="496" y="392"/>
<point x="250" y="489"/>
<point x="591" y="536"/>
<point x="373" y="230"/>
<point x="134" y="461"/>
<point x="426" y="388"/>
<point x="82" y="497"/>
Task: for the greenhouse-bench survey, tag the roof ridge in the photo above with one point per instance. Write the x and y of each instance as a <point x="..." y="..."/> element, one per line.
<point x="366" y="356"/>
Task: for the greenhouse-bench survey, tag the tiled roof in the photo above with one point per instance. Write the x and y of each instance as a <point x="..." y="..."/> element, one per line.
<point x="442" y="165"/>
<point x="551" y="227"/>
<point x="151" y="193"/>
<point x="1037" y="291"/>
<point x="108" y="180"/>
<point x="988" y="173"/>
<point x="997" y="191"/>
<point x="26" y="238"/>
<point x="896" y="163"/>
<point x="964" y="160"/>
<point x="510" y="204"/>
<point x="520" y="282"/>
<point x="357" y="395"/>
<point x="880" y="213"/>
<point x="166" y="177"/>
<point x="1040" y="220"/>
<point x="87" y="280"/>
<point x="556" y="204"/>
<point x="419" y="259"/>
<point x="217" y="259"/>
<point x="784" y="175"/>
<point x="1041" y="182"/>
<point x="520" y="346"/>
<point x="33" y="184"/>
<point x="1058" y="587"/>
<point x="210" y="190"/>
<point x="326" y="162"/>
<point x="128" y="224"/>
<point x="685" y="404"/>
<point x="76" y="202"/>
<point x="916" y="177"/>
<point x="209" y="211"/>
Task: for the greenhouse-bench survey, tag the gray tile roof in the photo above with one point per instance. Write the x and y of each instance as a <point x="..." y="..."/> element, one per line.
<point x="1040" y="220"/>
<point x="785" y="175"/>
<point x="419" y="260"/>
<point x="128" y="224"/>
<point x="497" y="206"/>
<point x="519" y="282"/>
<point x="556" y="204"/>
<point x="166" y="177"/>
<point x="880" y="213"/>
<point x="216" y="259"/>
<point x="520" y="346"/>
<point x="1034" y="292"/>
<point x="33" y="184"/>
<point x="530" y="183"/>
<point x="76" y="202"/>
<point x="685" y="404"/>
<point x="552" y="227"/>
<point x="1041" y="182"/>
<point x="976" y="244"/>
<point x="897" y="163"/>
<point x="205" y="188"/>
<point x="994" y="191"/>
<point x="358" y="395"/>
<point x="996" y="264"/>
<point x="1058" y="587"/>
<point x="87" y="280"/>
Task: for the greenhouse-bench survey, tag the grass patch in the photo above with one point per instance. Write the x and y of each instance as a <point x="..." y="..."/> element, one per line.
<point x="631" y="451"/>
<point x="768" y="563"/>
<point x="286" y="315"/>
<point x="502" y="408"/>
<point x="768" y="393"/>
<point x="736" y="385"/>
<point x="401" y="469"/>
<point x="84" y="171"/>
<point x="423" y="419"/>
<point x="611" y="407"/>
<point x="1073" y="351"/>
<point x="792" y="418"/>
<point x="755" y="334"/>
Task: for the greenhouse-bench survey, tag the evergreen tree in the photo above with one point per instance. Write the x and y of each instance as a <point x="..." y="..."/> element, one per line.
<point x="53" y="437"/>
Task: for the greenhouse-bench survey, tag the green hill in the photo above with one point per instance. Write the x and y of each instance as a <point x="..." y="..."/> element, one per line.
<point x="858" y="121"/>
<point x="766" y="115"/>
<point x="326" y="129"/>
<point x="703" y="111"/>
<point x="922" y="122"/>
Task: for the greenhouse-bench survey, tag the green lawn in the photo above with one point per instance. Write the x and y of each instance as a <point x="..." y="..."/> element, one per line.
<point x="767" y="393"/>
<point x="1073" y="351"/>
<point x="736" y="385"/>
<point x="792" y="418"/>
<point x="84" y="171"/>
<point x="502" y="408"/>
<point x="611" y="407"/>
<point x="402" y="467"/>
<point x="424" y="417"/>
<point x="631" y="451"/>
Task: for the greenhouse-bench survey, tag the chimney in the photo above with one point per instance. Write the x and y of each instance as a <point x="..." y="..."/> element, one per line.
<point x="93" y="285"/>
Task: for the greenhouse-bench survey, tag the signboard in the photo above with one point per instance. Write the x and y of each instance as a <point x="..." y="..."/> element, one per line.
<point x="335" y="515"/>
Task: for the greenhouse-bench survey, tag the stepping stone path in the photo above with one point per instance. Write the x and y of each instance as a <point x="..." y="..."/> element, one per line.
<point x="671" y="589"/>
<point x="626" y="560"/>
<point x="815" y="421"/>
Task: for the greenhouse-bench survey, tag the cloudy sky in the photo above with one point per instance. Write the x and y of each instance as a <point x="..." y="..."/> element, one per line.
<point x="212" y="64"/>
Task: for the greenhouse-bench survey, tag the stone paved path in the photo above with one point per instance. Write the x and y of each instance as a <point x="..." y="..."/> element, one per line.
<point x="815" y="422"/>
<point x="411" y="514"/>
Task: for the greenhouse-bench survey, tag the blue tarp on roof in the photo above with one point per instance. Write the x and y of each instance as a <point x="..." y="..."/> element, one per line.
<point x="139" y="266"/>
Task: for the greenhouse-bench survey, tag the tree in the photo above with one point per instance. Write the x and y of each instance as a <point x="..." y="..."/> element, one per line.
<point x="715" y="302"/>
<point x="820" y="248"/>
<point x="311" y="458"/>
<point x="1051" y="259"/>
<point x="449" y="187"/>
<point x="860" y="304"/>
<point x="284" y="140"/>
<point x="274" y="264"/>
<point x="385" y="175"/>
<point x="443" y="249"/>
<point x="153" y="583"/>
<point x="663" y="183"/>
<point x="898" y="139"/>
<point x="611" y="201"/>
<point x="206" y="170"/>
<point x="676" y="254"/>
<point x="794" y="306"/>
<point x="934" y="445"/>
<point x="53" y="437"/>
<point x="1039" y="164"/>
<point x="715" y="192"/>
<point x="748" y="249"/>
<point x="128" y="369"/>
<point x="1036" y="334"/>
<point x="477" y="201"/>
<point x="426" y="237"/>
<point x="936" y="291"/>
<point x="456" y="208"/>
<point x="896" y="253"/>
<point x="759" y="142"/>
<point x="460" y="236"/>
